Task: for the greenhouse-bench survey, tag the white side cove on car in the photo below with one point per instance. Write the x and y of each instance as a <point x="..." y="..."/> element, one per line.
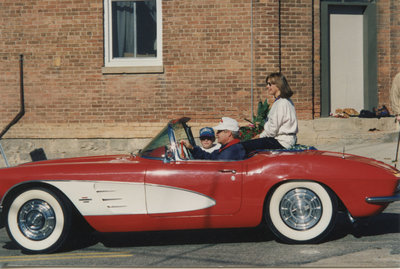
<point x="125" y="198"/>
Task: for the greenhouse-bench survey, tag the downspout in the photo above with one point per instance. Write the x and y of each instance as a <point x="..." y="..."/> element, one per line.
<point x="279" y="35"/>
<point x="312" y="61"/>
<point x="21" y="112"/>
<point x="251" y="63"/>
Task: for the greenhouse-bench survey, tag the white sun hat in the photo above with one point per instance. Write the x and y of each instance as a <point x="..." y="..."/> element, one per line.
<point x="227" y="123"/>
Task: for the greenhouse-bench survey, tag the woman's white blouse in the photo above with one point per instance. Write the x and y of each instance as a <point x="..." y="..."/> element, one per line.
<point x="282" y="123"/>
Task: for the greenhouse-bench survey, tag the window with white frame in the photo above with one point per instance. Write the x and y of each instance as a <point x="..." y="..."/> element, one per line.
<point x="132" y="33"/>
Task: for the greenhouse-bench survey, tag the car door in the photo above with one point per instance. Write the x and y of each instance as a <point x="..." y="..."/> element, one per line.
<point x="194" y="187"/>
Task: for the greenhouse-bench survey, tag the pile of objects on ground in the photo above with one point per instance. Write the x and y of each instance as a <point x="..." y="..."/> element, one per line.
<point x="351" y="112"/>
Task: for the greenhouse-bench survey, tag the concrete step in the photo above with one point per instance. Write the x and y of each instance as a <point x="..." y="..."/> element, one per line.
<point x="339" y="131"/>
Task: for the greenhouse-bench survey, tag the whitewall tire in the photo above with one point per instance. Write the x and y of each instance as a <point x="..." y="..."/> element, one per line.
<point x="38" y="220"/>
<point x="301" y="212"/>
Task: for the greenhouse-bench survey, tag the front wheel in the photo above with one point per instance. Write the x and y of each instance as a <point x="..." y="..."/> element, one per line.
<point x="39" y="220"/>
<point x="301" y="212"/>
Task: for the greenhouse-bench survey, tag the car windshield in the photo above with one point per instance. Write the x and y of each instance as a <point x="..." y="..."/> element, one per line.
<point x="157" y="146"/>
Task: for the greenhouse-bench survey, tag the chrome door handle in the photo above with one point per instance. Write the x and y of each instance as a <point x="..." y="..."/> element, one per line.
<point x="227" y="171"/>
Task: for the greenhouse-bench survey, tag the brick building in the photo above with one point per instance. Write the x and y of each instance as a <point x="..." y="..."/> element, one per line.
<point x="202" y="59"/>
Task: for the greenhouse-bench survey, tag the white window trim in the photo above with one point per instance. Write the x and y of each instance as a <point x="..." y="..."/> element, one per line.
<point x="127" y="64"/>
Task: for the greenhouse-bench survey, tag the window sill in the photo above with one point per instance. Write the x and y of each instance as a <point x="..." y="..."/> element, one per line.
<point x="132" y="69"/>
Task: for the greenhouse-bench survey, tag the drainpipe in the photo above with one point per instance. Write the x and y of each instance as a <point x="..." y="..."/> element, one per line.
<point x="279" y="35"/>
<point x="251" y="63"/>
<point x="312" y="61"/>
<point x="22" y="100"/>
<point x="21" y="112"/>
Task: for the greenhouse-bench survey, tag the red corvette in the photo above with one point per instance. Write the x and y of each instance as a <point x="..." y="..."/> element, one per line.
<point x="297" y="193"/>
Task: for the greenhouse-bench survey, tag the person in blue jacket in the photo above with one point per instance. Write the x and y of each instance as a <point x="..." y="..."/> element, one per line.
<point x="227" y="134"/>
<point x="207" y="139"/>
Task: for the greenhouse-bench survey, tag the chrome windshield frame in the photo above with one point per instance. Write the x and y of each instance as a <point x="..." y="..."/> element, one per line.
<point x="169" y="140"/>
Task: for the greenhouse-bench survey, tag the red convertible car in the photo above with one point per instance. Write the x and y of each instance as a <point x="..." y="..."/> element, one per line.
<point x="296" y="193"/>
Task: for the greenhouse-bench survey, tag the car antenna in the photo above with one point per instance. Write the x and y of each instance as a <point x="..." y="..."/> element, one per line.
<point x="21" y="112"/>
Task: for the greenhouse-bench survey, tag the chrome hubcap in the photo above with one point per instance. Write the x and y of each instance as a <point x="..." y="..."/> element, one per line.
<point x="300" y="209"/>
<point x="36" y="219"/>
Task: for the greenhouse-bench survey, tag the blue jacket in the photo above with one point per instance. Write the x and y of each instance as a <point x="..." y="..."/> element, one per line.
<point x="231" y="151"/>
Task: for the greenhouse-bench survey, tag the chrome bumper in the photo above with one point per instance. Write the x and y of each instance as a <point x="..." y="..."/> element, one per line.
<point x="383" y="199"/>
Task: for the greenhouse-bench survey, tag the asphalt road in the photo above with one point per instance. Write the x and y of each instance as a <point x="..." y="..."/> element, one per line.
<point x="374" y="245"/>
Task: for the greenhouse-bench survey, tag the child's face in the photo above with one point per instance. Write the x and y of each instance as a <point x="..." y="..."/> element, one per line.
<point x="206" y="142"/>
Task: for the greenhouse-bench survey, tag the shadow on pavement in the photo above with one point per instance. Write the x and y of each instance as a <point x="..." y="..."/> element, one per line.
<point x="209" y="236"/>
<point x="383" y="223"/>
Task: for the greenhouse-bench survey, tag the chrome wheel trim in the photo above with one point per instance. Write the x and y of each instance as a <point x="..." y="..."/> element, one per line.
<point x="36" y="219"/>
<point x="300" y="209"/>
<point x="13" y="226"/>
<point x="288" y="234"/>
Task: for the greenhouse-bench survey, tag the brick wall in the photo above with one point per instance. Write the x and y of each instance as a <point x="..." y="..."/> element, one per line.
<point x="296" y="50"/>
<point x="207" y="63"/>
<point x="388" y="47"/>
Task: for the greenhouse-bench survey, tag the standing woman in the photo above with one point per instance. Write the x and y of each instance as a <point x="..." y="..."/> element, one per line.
<point x="280" y="128"/>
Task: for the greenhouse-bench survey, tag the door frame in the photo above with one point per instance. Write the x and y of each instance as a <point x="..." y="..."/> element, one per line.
<point x="370" y="51"/>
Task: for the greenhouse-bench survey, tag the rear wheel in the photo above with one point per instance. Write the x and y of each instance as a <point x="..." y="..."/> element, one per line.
<point x="39" y="220"/>
<point x="301" y="212"/>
